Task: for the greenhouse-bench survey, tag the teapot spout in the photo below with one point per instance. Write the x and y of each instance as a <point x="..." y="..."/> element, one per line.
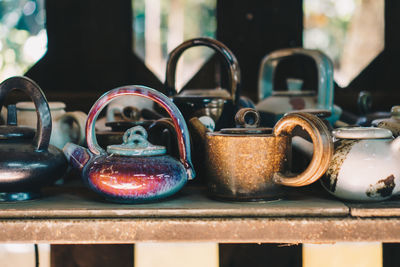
<point x="395" y="145"/>
<point x="76" y="155"/>
<point x="303" y="146"/>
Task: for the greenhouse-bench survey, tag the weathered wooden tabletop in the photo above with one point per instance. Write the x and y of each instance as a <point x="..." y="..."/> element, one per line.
<point x="75" y="215"/>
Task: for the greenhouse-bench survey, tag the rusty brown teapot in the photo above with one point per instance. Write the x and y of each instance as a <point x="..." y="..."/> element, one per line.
<point x="251" y="163"/>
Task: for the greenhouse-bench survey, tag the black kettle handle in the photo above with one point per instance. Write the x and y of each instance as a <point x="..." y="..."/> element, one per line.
<point x="29" y="87"/>
<point x="229" y="59"/>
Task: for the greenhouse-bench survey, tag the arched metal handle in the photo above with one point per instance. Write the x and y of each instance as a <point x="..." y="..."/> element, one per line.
<point x="230" y="61"/>
<point x="322" y="142"/>
<point x="325" y="73"/>
<point x="176" y="116"/>
<point x="29" y="87"/>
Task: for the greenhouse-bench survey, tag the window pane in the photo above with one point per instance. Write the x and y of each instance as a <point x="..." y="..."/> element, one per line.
<point x="161" y="25"/>
<point x="351" y="32"/>
<point x="23" y="39"/>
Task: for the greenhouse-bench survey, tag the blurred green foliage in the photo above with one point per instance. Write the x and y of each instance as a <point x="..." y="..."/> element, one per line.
<point x="326" y="24"/>
<point x="23" y="38"/>
<point x="199" y="20"/>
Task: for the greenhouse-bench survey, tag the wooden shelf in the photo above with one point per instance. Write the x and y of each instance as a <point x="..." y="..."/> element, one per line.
<point x="75" y="215"/>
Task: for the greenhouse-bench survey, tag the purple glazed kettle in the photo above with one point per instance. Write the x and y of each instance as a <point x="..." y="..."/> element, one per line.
<point x="135" y="171"/>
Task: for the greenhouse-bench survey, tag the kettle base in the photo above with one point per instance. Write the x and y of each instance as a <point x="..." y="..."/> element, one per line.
<point x="223" y="198"/>
<point x="18" y="196"/>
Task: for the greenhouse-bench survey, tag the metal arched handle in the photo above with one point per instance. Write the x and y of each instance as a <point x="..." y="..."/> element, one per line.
<point x="325" y="73"/>
<point x="29" y="87"/>
<point x="322" y="142"/>
<point x="176" y="116"/>
<point x="230" y="61"/>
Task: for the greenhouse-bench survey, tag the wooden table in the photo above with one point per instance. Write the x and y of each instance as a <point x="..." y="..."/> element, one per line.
<point x="73" y="215"/>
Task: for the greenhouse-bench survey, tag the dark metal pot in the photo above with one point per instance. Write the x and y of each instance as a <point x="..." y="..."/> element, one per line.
<point x="27" y="161"/>
<point x="219" y="104"/>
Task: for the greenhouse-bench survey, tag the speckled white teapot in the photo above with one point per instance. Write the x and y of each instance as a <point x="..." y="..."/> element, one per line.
<point x="365" y="165"/>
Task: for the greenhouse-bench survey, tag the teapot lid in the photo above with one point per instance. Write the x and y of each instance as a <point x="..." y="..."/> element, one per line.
<point x="294" y="86"/>
<point x="362" y="133"/>
<point x="29" y="105"/>
<point x="136" y="144"/>
<point x="204" y="93"/>
<point x="13" y="132"/>
<point x="247" y="122"/>
<point x="395" y="111"/>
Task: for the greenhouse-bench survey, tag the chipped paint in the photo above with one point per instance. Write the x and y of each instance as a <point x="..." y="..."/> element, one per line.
<point x="383" y="188"/>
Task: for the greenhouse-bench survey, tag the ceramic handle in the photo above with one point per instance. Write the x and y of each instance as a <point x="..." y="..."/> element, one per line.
<point x="29" y="87"/>
<point x="230" y="61"/>
<point x="79" y="118"/>
<point x="322" y="144"/>
<point x="324" y="67"/>
<point x="176" y="116"/>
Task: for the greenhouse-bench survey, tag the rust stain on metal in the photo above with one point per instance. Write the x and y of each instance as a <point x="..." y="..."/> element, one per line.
<point x="342" y="148"/>
<point x="383" y="188"/>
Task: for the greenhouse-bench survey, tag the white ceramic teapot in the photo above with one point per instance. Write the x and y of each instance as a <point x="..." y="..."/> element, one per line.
<point x="365" y="165"/>
<point x="67" y="126"/>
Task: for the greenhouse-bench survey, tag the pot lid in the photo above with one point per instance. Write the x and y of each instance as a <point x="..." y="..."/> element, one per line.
<point x="13" y="132"/>
<point x="395" y="112"/>
<point x="294" y="86"/>
<point x="26" y="105"/>
<point x="247" y="122"/>
<point x="135" y="144"/>
<point x="362" y="133"/>
<point x="204" y="93"/>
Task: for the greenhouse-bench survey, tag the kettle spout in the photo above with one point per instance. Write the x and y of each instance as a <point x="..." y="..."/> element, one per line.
<point x="198" y="131"/>
<point x="303" y="146"/>
<point x="395" y="145"/>
<point x="76" y="155"/>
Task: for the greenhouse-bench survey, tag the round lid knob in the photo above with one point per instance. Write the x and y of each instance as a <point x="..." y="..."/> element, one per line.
<point x="13" y="132"/>
<point x="294" y="84"/>
<point x="135" y="144"/>
<point x="247" y="122"/>
<point x="362" y="133"/>
<point x="395" y="112"/>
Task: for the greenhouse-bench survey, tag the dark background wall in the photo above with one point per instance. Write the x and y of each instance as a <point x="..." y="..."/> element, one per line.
<point x="90" y="50"/>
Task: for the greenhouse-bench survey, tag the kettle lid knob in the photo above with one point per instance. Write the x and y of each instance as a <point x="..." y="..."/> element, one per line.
<point x="11" y="130"/>
<point x="135" y="144"/>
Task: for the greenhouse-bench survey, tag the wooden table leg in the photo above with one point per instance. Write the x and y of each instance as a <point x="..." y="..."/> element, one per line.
<point x="176" y="254"/>
<point x="343" y="254"/>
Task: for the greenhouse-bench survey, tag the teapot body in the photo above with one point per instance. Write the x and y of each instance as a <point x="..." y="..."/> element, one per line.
<point x="22" y="169"/>
<point x="363" y="170"/>
<point x="135" y="171"/>
<point x="128" y="179"/>
<point x="242" y="167"/>
<point x="273" y="108"/>
<point x="27" y="161"/>
<point x="252" y="163"/>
